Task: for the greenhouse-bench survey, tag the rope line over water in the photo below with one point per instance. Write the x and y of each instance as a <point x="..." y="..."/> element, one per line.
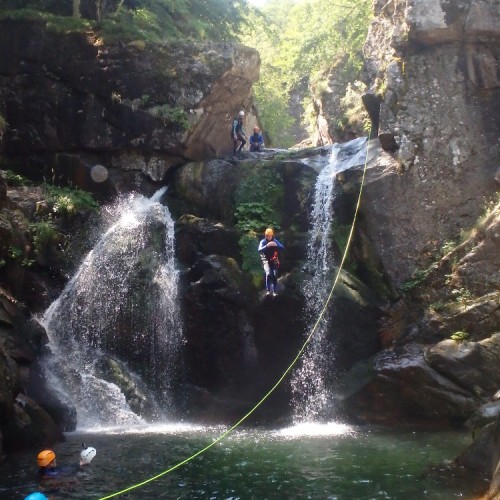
<point x="285" y="373"/>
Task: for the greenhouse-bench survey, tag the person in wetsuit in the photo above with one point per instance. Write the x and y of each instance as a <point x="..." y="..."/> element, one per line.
<point x="237" y="134"/>
<point x="256" y="140"/>
<point x="268" y="251"/>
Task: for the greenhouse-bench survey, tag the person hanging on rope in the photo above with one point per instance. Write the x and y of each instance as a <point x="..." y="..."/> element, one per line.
<point x="268" y="251"/>
<point x="237" y="134"/>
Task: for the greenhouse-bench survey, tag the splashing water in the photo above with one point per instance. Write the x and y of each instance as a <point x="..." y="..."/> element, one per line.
<point x="312" y="382"/>
<point x="118" y="317"/>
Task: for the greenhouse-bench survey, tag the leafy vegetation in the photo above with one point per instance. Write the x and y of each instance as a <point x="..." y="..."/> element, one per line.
<point x="14" y="179"/>
<point x="152" y="20"/>
<point x="459" y="336"/>
<point x="43" y="233"/>
<point x="67" y="201"/>
<point x="259" y="201"/>
<point x="299" y="41"/>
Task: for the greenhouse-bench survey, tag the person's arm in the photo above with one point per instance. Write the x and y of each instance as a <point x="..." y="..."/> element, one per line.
<point x="262" y="245"/>
<point x="279" y="245"/>
<point x="233" y="129"/>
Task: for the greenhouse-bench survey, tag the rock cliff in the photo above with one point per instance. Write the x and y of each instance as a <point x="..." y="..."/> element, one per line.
<point x="426" y="243"/>
<point x="137" y="109"/>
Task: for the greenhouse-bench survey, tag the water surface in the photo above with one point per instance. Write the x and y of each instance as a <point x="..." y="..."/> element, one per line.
<point x="303" y="462"/>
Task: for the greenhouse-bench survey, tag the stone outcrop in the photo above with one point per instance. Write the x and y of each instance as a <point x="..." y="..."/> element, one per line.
<point x="433" y="66"/>
<point x="140" y="108"/>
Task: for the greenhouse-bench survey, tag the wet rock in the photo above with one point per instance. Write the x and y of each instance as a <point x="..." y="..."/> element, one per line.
<point x="198" y="236"/>
<point x="483" y="456"/>
<point x="400" y="387"/>
<point x="30" y="426"/>
<point x="471" y="365"/>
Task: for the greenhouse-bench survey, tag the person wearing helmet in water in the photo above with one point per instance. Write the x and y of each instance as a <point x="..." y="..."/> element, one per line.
<point x="268" y="251"/>
<point x="237" y="134"/>
<point x="87" y="455"/>
<point x="256" y="140"/>
<point x="47" y="467"/>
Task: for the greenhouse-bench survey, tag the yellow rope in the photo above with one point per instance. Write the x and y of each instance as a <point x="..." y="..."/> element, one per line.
<point x="285" y="373"/>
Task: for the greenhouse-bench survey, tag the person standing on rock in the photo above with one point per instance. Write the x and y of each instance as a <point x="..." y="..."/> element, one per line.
<point x="237" y="134"/>
<point x="268" y="251"/>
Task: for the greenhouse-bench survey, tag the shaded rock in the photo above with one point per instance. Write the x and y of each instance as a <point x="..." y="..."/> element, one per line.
<point x="483" y="456"/>
<point x="484" y="415"/>
<point x="196" y="184"/>
<point x="218" y="353"/>
<point x="61" y="410"/>
<point x="141" y="109"/>
<point x="196" y="236"/>
<point x="471" y="365"/>
<point x="399" y="386"/>
<point x="30" y="426"/>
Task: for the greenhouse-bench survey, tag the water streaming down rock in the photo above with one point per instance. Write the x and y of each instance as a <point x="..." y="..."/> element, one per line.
<point x="312" y="383"/>
<point x="116" y="328"/>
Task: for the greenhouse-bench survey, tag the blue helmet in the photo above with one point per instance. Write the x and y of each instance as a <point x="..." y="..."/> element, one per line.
<point x="36" y="496"/>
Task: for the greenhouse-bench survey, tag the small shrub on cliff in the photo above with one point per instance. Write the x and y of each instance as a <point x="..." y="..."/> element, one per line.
<point x="259" y="201"/>
<point x="459" y="336"/>
<point x="43" y="233"/>
<point x="67" y="202"/>
<point x="14" y="179"/>
<point x="171" y="116"/>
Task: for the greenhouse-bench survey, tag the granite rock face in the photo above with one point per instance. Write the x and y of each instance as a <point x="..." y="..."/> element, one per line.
<point x="433" y="66"/>
<point x="139" y="108"/>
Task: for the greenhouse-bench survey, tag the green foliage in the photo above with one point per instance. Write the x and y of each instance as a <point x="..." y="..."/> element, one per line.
<point x="459" y="336"/>
<point x="418" y="276"/>
<point x="14" y="179"/>
<point x="259" y="201"/>
<point x="340" y="234"/>
<point x="55" y="23"/>
<point x="67" y="201"/>
<point x="251" y="260"/>
<point x="298" y="42"/>
<point x="354" y="109"/>
<point x="43" y="233"/>
<point x="14" y="252"/>
<point x="152" y="20"/>
<point x="171" y="116"/>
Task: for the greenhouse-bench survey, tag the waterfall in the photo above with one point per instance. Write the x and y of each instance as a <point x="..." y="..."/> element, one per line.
<point x="312" y="392"/>
<point x="115" y="329"/>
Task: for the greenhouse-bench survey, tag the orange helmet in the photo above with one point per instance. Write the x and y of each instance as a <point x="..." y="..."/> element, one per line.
<point x="269" y="232"/>
<point x="45" y="457"/>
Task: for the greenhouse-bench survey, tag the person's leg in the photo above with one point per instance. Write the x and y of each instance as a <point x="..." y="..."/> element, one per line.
<point x="267" y="270"/>
<point x="243" y="142"/>
<point x="274" y="280"/>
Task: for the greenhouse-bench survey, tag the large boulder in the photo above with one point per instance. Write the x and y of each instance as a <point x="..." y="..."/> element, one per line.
<point x="401" y="387"/>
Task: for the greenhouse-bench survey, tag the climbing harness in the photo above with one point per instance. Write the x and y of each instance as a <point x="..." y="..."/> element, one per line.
<point x="285" y="373"/>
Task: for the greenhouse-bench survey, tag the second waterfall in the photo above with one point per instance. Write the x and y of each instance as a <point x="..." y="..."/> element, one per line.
<point x="116" y="330"/>
<point x="314" y="381"/>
